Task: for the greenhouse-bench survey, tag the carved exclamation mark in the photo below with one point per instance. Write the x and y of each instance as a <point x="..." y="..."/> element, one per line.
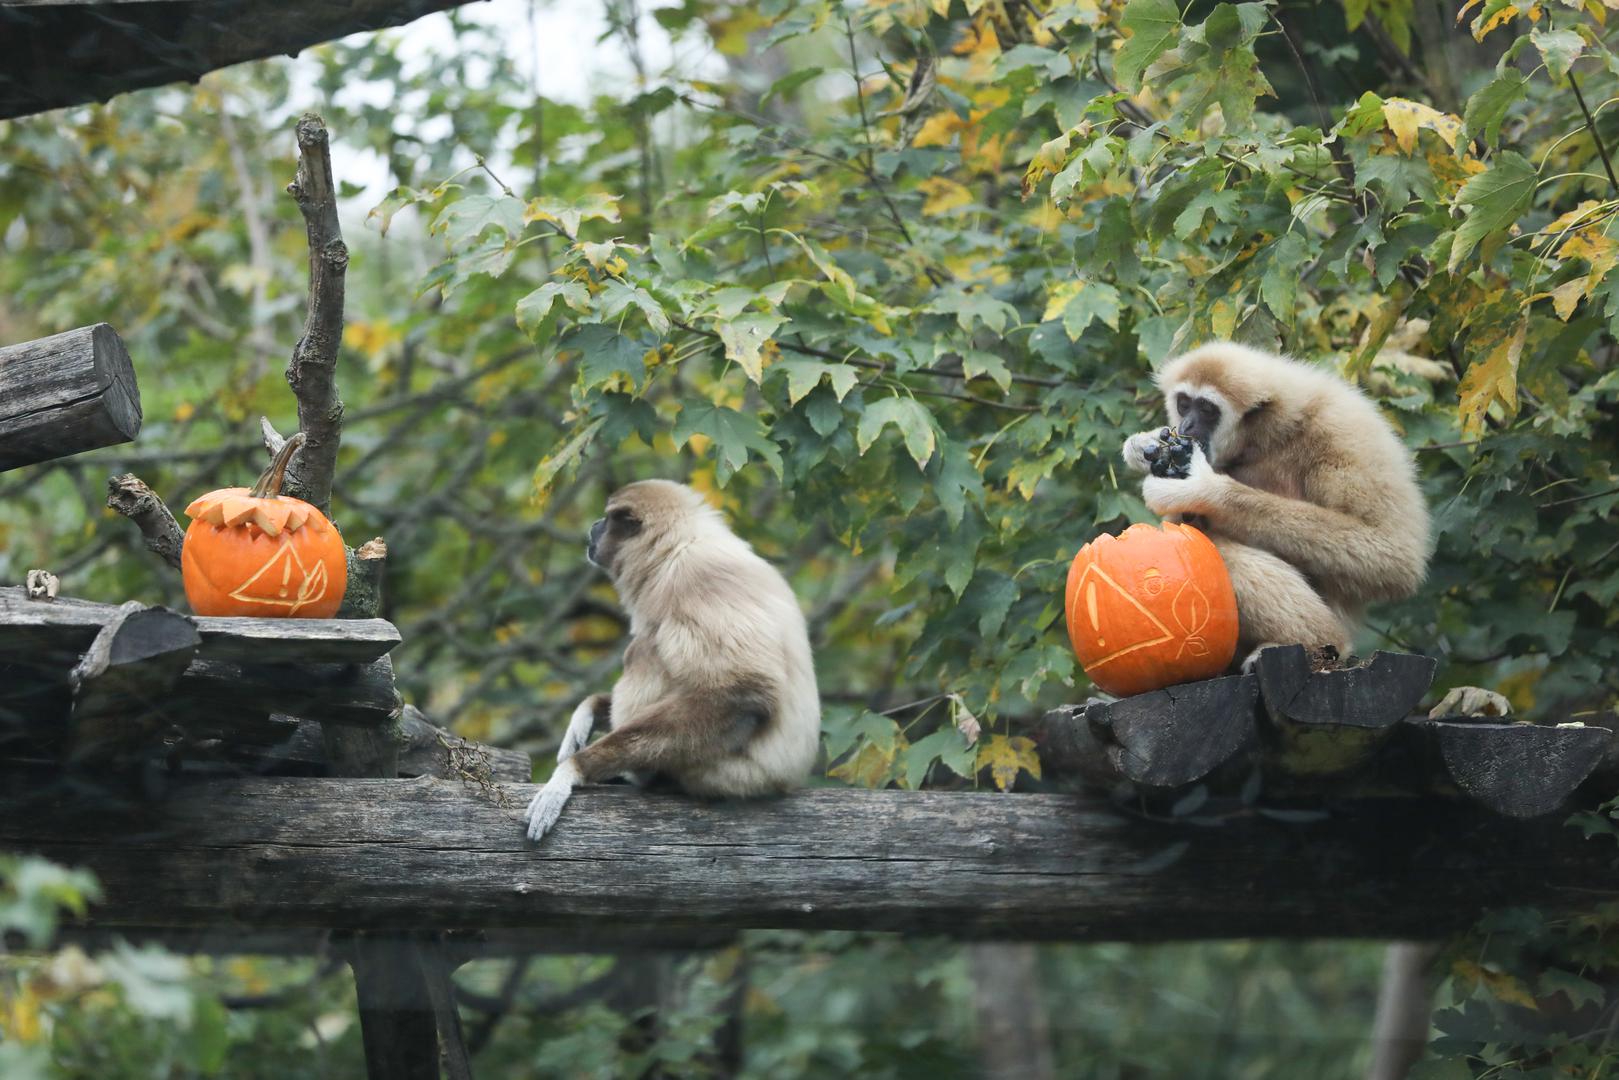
<point x="1090" y="606"/>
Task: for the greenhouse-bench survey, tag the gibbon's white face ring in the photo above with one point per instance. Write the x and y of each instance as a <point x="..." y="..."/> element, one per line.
<point x="1220" y="438"/>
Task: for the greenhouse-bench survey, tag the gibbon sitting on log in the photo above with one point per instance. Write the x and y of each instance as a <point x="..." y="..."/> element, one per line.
<point x="718" y="693"/>
<point x="1306" y="490"/>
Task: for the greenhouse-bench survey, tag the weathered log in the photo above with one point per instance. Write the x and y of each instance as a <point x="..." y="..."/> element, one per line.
<point x="1520" y="770"/>
<point x="73" y="52"/>
<point x="123" y="682"/>
<point x="130" y="496"/>
<point x="357" y="694"/>
<point x="407" y="855"/>
<point x="66" y="625"/>
<point x="1177" y="735"/>
<point x="425" y="750"/>
<point x="65" y="394"/>
<point x="1327" y="722"/>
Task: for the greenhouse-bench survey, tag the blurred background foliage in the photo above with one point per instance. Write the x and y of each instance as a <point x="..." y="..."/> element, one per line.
<point x="888" y="281"/>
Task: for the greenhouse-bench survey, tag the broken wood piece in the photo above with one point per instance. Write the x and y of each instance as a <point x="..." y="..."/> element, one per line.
<point x="1328" y="722"/>
<point x="129" y="495"/>
<point x="1180" y="734"/>
<point x="124" y="681"/>
<point x="1519" y="770"/>
<point x="69" y="625"/>
<point x="65" y="394"/>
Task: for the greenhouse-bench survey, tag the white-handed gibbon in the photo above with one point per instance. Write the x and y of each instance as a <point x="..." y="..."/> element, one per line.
<point x="718" y="692"/>
<point x="1300" y="482"/>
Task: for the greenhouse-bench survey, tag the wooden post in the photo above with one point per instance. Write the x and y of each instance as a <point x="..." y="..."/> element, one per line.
<point x="65" y="394"/>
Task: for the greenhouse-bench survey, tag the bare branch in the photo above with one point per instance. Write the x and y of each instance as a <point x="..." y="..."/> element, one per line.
<point x="312" y="373"/>
<point x="130" y="496"/>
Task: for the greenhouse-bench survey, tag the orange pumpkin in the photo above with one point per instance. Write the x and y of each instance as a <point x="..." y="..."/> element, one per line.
<point x="1150" y="608"/>
<point x="259" y="552"/>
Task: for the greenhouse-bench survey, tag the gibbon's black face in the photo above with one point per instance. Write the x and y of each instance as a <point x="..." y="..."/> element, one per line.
<point x="1200" y="418"/>
<point x="607" y="533"/>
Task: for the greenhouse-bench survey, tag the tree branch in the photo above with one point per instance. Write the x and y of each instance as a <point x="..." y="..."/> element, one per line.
<point x="312" y="372"/>
<point x="1591" y="126"/>
<point x="130" y="496"/>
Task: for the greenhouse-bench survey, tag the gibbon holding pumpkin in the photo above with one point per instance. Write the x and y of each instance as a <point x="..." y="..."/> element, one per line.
<point x="1306" y="490"/>
<point x="718" y="692"/>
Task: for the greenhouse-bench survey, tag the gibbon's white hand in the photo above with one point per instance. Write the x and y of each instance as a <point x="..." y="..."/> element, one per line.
<point x="1196" y="494"/>
<point x="1135" y="451"/>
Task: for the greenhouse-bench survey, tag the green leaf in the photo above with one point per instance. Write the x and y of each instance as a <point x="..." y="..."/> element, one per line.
<point x="1497" y="198"/>
<point x="1091" y="301"/>
<point x="395" y="201"/>
<point x="617" y="295"/>
<point x="537" y="314"/>
<point x="785" y="86"/>
<point x="1488" y="108"/>
<point x="568" y="216"/>
<point x="1154" y="25"/>
<point x="605" y="353"/>
<point x="976" y="363"/>
<point x="466" y="219"/>
<point x="805" y="375"/>
<point x="733" y="434"/>
<point x="565" y="457"/>
<point x="1559" y="48"/>
<point x="946" y="747"/>
<point x="914" y="421"/>
<point x="969" y="307"/>
<point x="1579" y="991"/>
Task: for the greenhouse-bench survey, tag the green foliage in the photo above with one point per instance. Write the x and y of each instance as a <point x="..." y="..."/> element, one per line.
<point x="895" y="311"/>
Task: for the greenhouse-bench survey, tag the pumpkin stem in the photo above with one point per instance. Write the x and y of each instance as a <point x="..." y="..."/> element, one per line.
<point x="269" y="485"/>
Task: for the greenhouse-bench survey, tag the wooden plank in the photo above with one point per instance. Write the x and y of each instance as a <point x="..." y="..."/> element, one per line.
<point x="67" y="54"/>
<point x="1332" y="721"/>
<point x="65" y="394"/>
<point x="68" y="625"/>
<point x="1520" y="770"/>
<point x="1177" y="735"/>
<point x="123" y="681"/>
<point x="416" y="855"/>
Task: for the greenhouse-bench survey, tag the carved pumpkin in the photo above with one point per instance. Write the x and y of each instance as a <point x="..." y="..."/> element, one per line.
<point x="1150" y="608"/>
<point x="259" y="552"/>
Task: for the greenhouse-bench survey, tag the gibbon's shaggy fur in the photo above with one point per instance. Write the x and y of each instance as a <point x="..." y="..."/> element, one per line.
<point x="718" y="692"/>
<point x="1306" y="490"/>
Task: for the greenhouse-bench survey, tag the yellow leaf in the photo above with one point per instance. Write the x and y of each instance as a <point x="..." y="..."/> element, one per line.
<point x="939" y="129"/>
<point x="1047" y="160"/>
<point x="1505" y="14"/>
<point x="1567" y="296"/>
<point x="1572" y="218"/>
<point x="1004" y="756"/>
<point x="1223" y="318"/>
<point x="184" y="411"/>
<point x="872" y="766"/>
<point x="1502" y="986"/>
<point x="1058" y="302"/>
<point x="943" y="195"/>
<point x="22" y="1020"/>
<point x="1492" y="379"/>
<point x="1404" y="117"/>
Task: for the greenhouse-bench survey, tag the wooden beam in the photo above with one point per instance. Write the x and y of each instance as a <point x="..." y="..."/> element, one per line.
<point x="65" y="394"/>
<point x="67" y="625"/>
<point x="418" y="855"/>
<point x="68" y="54"/>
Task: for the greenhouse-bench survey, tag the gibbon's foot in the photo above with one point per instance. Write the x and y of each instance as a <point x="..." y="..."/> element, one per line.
<point x="546" y="806"/>
<point x="1471" y="701"/>
<point x="1252" y="660"/>
<point x="579" y="727"/>
<point x="1197" y="493"/>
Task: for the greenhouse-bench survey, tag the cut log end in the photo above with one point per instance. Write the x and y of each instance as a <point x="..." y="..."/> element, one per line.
<point x="65" y="394"/>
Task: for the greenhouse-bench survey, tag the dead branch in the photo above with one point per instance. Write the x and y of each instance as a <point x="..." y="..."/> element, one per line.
<point x="130" y="496"/>
<point x="312" y="372"/>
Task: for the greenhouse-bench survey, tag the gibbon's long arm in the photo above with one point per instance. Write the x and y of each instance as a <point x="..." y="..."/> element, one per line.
<point x="1363" y="562"/>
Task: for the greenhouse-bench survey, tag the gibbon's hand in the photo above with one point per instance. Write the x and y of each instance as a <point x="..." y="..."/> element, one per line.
<point x="1140" y="450"/>
<point x="1198" y="493"/>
